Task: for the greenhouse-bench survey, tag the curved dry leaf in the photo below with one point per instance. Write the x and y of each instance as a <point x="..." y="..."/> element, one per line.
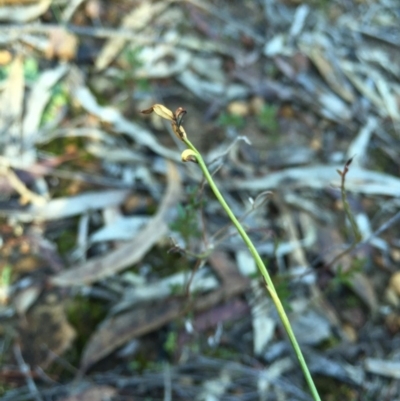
<point x="327" y="66"/>
<point x="359" y="145"/>
<point x="320" y="176"/>
<point x="106" y="265"/>
<point x="24" y="13"/>
<point x="38" y="99"/>
<point x="209" y="90"/>
<point x="162" y="61"/>
<point x="363" y="287"/>
<point x="383" y="367"/>
<point x="354" y="72"/>
<point x="25" y="298"/>
<point x="112" y="116"/>
<point x="71" y="206"/>
<point x="71" y="7"/>
<point x="11" y="106"/>
<point x="117" y="330"/>
<point x="135" y="21"/>
<point x="123" y="228"/>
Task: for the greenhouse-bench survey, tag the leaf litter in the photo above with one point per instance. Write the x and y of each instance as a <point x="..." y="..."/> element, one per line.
<point x="308" y="88"/>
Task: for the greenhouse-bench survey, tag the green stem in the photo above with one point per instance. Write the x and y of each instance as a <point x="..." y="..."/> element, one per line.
<point x="263" y="270"/>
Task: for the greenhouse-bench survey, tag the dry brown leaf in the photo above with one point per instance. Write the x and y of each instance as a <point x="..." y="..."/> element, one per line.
<point x="332" y="75"/>
<point x="354" y="73"/>
<point x="133" y="251"/>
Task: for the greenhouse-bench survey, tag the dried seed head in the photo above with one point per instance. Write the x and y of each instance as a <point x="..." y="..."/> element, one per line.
<point x="189" y="156"/>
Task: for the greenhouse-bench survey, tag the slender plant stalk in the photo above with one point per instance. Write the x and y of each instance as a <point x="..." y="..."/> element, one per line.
<point x="263" y="270"/>
<point x="192" y="154"/>
<point x="349" y="215"/>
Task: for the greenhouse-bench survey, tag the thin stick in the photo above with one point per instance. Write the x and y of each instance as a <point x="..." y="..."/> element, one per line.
<point x="25" y="370"/>
<point x="349" y="215"/>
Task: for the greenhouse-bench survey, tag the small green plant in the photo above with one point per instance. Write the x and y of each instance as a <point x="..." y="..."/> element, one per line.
<point x="186" y="223"/>
<point x="345" y="276"/>
<point x="231" y="120"/>
<point x="171" y="343"/>
<point x="31" y="70"/>
<point x="191" y="154"/>
<point x="59" y="98"/>
<point x="267" y="118"/>
<point x="132" y="57"/>
<point x="5" y="276"/>
<point x="176" y="289"/>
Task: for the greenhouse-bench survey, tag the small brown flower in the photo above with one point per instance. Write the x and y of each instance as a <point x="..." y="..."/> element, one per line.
<point x="179" y="114"/>
<point x="161" y="111"/>
<point x="175" y="118"/>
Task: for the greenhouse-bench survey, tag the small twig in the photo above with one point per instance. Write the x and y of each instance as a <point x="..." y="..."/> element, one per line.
<point x="349" y="215"/>
<point x="167" y="383"/>
<point x="26" y="194"/>
<point x="346" y="205"/>
<point x="25" y="370"/>
<point x="393" y="220"/>
<point x="197" y="266"/>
